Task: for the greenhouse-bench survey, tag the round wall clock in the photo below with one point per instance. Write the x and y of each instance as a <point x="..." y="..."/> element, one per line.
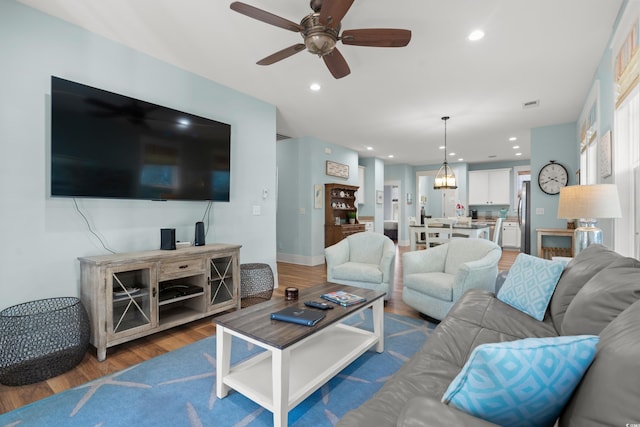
<point x="552" y="177"/>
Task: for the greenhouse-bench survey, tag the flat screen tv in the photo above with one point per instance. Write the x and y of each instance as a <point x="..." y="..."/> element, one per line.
<point x="105" y="145"/>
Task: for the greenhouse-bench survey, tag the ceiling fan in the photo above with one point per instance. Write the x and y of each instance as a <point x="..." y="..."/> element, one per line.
<point x="321" y="31"/>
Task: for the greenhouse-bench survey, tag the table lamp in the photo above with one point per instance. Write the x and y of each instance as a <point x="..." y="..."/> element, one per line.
<point x="587" y="203"/>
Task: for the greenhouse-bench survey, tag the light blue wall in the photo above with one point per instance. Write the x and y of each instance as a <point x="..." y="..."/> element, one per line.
<point x="43" y="236"/>
<point x="301" y="165"/>
<point x="374" y="181"/>
<point x="557" y="143"/>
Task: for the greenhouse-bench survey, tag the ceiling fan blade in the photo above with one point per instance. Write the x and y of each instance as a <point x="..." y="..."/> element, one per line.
<point x="377" y="37"/>
<point x="332" y="12"/>
<point x="264" y="16"/>
<point x="336" y="64"/>
<point x="282" y="54"/>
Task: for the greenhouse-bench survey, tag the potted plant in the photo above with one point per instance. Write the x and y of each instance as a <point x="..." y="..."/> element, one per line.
<point x="352" y="217"/>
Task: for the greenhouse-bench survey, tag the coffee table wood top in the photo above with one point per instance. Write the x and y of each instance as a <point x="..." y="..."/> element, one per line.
<point x="256" y="322"/>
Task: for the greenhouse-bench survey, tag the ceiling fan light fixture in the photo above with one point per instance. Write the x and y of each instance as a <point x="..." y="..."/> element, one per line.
<point x="320" y="43"/>
<point x="445" y="178"/>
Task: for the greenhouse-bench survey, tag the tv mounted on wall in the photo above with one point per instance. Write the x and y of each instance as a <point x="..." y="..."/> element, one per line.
<point x="105" y="145"/>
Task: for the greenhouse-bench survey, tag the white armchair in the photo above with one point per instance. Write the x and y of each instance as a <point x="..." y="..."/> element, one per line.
<point x="366" y="260"/>
<point x="436" y="278"/>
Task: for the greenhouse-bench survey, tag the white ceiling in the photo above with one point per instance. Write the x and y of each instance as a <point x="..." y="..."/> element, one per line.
<point x="546" y="50"/>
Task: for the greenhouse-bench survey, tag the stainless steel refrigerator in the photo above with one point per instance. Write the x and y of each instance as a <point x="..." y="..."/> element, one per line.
<point x="524" y="217"/>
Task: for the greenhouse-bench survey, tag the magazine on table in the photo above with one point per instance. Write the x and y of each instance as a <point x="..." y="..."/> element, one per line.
<point x="298" y="315"/>
<point x="343" y="298"/>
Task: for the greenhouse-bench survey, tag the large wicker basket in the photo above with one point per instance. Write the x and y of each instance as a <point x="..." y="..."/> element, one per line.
<point x="41" y="339"/>
<point x="256" y="283"/>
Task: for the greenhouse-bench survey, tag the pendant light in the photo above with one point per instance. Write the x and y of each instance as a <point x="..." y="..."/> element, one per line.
<point x="445" y="178"/>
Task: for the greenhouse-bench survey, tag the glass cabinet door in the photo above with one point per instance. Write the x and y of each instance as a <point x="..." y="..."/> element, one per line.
<point x="222" y="281"/>
<point x="130" y="293"/>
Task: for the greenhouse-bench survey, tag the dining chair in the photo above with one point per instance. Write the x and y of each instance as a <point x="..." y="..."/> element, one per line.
<point x="442" y="235"/>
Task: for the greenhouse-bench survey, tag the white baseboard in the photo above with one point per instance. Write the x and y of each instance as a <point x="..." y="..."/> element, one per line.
<point x="309" y="261"/>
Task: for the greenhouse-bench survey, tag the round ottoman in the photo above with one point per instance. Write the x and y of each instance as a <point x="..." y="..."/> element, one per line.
<point x="41" y="339"/>
<point x="256" y="283"/>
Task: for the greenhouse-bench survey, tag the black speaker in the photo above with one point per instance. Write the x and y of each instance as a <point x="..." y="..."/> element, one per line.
<point x="199" y="239"/>
<point x="168" y="239"/>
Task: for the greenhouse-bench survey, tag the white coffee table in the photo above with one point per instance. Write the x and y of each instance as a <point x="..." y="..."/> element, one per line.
<point x="299" y="359"/>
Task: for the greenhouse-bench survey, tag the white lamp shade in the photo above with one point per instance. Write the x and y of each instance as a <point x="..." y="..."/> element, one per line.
<point x="589" y="201"/>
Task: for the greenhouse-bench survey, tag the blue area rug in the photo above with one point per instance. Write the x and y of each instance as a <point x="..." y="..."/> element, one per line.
<point x="179" y="388"/>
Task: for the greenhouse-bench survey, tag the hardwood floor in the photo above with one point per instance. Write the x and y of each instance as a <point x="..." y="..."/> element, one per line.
<point x="128" y="354"/>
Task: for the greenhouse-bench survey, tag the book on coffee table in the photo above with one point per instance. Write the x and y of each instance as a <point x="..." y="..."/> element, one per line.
<point x="301" y="316"/>
<point x="343" y="298"/>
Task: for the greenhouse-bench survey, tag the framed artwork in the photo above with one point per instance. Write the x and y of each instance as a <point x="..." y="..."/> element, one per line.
<point x="379" y="197"/>
<point x="604" y="155"/>
<point x="317" y="196"/>
<point x="337" y="169"/>
<point x="409" y="198"/>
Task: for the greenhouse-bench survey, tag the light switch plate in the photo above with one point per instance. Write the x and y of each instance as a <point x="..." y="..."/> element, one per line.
<point x="256" y="209"/>
<point x="539" y="211"/>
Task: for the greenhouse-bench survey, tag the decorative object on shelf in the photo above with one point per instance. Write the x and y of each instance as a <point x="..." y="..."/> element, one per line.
<point x="459" y="209"/>
<point x="256" y="283"/>
<point x="445" y="178"/>
<point x="379" y="197"/>
<point x="352" y="217"/>
<point x="588" y="203"/>
<point x="337" y="169"/>
<point x="41" y="339"/>
<point x="552" y="177"/>
<point x="605" y="155"/>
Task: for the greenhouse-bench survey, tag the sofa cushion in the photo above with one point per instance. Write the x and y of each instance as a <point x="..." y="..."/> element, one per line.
<point x="436" y="285"/>
<point x="602" y="299"/>
<point x="358" y="271"/>
<point x="609" y="393"/>
<point x="521" y="383"/>
<point x="578" y="272"/>
<point x="530" y="284"/>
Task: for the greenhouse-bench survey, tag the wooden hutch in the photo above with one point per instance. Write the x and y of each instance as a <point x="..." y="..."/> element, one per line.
<point x="339" y="200"/>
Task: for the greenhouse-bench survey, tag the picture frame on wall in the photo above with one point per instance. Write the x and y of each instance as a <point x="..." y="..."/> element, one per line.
<point x="337" y="169"/>
<point x="379" y="197"/>
<point x="317" y="196"/>
<point x="604" y="155"/>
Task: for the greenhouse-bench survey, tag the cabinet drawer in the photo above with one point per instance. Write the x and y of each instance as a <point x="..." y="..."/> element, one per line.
<point x="182" y="268"/>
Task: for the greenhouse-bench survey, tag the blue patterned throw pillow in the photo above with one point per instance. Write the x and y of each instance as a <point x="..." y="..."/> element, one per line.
<point x="530" y="284"/>
<point x="523" y="383"/>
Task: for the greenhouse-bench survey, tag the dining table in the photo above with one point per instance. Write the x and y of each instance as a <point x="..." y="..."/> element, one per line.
<point x="474" y="230"/>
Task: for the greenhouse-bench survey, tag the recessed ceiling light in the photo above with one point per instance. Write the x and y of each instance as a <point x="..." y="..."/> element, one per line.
<point x="460" y="159"/>
<point x="441" y="147"/>
<point x="518" y="154"/>
<point x="369" y="148"/>
<point x="515" y="147"/>
<point x="390" y="156"/>
<point x="452" y="154"/>
<point x="513" y="138"/>
<point x="314" y="87"/>
<point x="476" y="35"/>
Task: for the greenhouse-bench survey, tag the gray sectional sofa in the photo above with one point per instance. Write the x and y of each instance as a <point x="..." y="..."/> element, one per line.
<point x="597" y="294"/>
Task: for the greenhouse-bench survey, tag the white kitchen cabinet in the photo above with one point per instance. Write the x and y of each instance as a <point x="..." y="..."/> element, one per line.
<point x="490" y="187"/>
<point x="510" y="234"/>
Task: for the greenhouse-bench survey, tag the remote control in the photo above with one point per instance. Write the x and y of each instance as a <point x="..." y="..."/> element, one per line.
<point x="320" y="305"/>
